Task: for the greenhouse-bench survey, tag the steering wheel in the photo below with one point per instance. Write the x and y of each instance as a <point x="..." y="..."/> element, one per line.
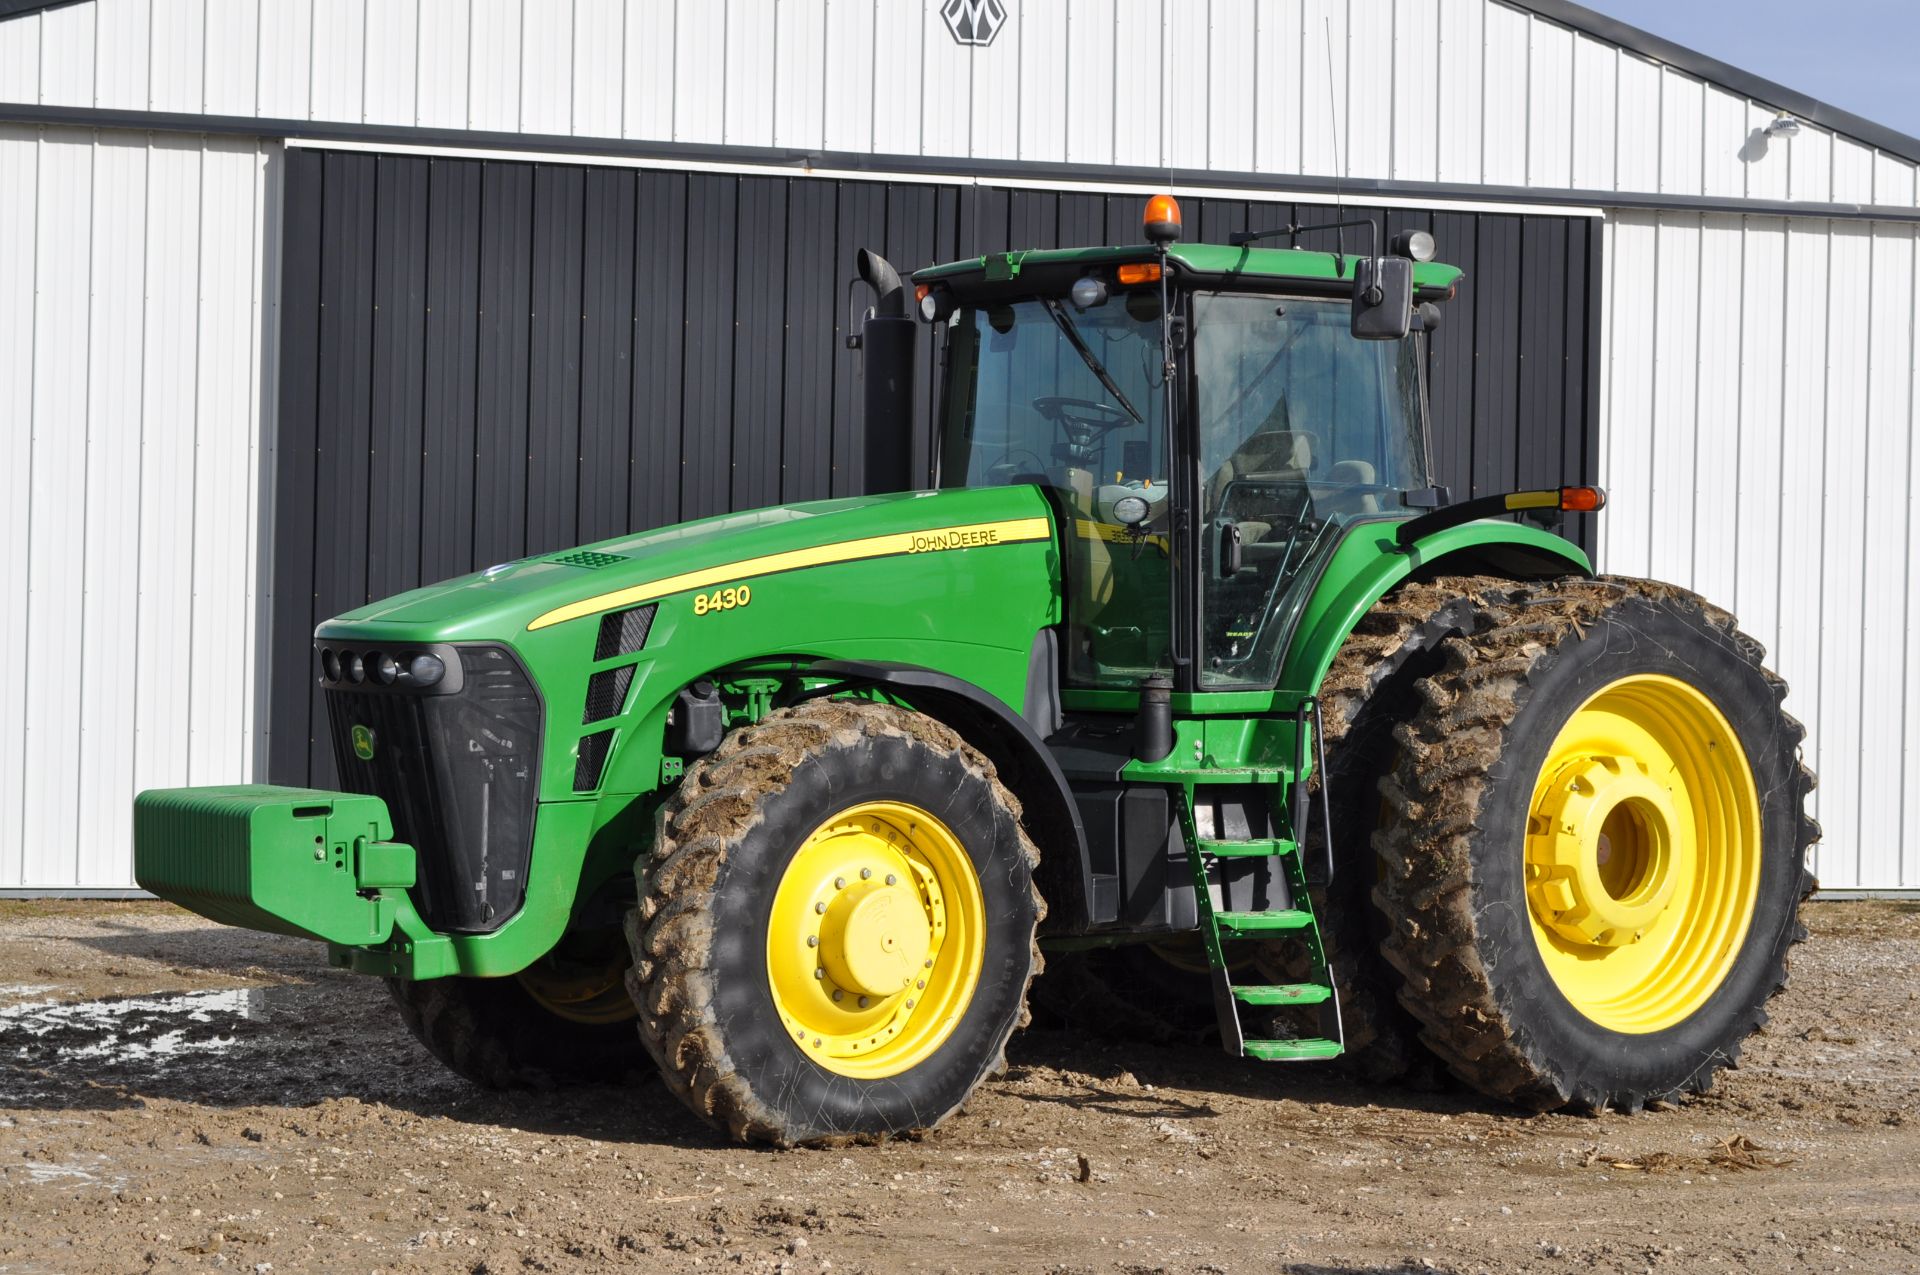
<point x="1083" y="421"/>
<point x="1082" y="412"/>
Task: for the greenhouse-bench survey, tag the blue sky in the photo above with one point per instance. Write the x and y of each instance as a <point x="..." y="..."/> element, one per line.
<point x="1859" y="55"/>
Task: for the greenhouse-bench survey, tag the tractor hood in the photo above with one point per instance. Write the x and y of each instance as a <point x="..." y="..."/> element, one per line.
<point x="507" y="601"/>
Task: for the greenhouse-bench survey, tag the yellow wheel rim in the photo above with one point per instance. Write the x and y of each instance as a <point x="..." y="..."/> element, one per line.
<point x="876" y="940"/>
<point x="1643" y="854"/>
<point x="591" y="990"/>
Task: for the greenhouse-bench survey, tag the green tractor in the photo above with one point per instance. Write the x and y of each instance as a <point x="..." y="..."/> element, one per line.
<point x="1184" y="671"/>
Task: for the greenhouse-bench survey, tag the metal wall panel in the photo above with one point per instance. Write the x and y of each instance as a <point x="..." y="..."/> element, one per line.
<point x="440" y="84"/>
<point x="176" y="57"/>
<point x="286" y="60"/>
<point x="19" y="203"/>
<point x="115" y="417"/>
<point x="391" y="93"/>
<point x="120" y="54"/>
<point x="1462" y="91"/>
<point x="1416" y="89"/>
<point x="599" y="43"/>
<point x="1759" y="421"/>
<point x="1504" y="93"/>
<point x="56" y="452"/>
<point x="20" y="59"/>
<point x="133" y="278"/>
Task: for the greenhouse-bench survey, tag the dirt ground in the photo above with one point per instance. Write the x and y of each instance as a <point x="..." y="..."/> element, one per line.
<point x="178" y="1095"/>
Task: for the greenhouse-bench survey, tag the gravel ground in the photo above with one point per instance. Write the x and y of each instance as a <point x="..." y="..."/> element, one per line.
<point x="178" y="1095"/>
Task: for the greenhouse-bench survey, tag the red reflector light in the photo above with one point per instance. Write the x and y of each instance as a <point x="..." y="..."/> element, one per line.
<point x="1582" y="500"/>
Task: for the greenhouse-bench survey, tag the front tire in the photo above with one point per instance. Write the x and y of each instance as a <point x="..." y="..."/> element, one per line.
<point x="1594" y="844"/>
<point x="836" y="926"/>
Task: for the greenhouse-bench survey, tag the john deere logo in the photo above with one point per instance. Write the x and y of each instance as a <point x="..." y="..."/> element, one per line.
<point x="974" y="22"/>
<point x="363" y="743"/>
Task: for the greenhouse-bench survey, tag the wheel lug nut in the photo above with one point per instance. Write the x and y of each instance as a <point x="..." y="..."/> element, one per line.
<point x="837" y="994"/>
<point x="922" y="985"/>
<point x="839" y="883"/>
<point x="909" y="1004"/>
<point x="819" y="973"/>
<point x="813" y="940"/>
<point x="819" y="907"/>
<point x="928" y="962"/>
<point x="863" y="1002"/>
<point x="866" y="873"/>
<point x="892" y="879"/>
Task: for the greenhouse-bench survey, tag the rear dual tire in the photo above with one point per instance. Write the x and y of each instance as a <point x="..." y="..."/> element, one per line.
<point x="1593" y="851"/>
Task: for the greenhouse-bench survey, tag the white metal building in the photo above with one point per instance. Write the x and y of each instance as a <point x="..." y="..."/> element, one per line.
<point x="1754" y="309"/>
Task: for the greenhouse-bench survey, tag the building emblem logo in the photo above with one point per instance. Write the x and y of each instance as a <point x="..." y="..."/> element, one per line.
<point x="974" y="22"/>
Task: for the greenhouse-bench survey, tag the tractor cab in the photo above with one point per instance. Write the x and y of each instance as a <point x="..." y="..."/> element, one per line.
<point x="1207" y="422"/>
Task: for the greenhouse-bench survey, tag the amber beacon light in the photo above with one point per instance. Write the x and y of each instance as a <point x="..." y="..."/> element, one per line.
<point x="1162" y="220"/>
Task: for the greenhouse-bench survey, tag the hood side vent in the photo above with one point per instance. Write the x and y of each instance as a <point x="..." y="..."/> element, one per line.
<point x="623" y="632"/>
<point x="591" y="760"/>
<point x="607" y="693"/>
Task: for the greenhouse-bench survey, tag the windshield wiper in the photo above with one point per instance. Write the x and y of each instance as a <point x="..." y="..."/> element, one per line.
<point x="1094" y="365"/>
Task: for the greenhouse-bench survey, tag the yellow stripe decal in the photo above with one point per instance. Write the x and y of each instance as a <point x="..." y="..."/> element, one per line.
<point x="970" y="536"/>
<point x="1534" y="499"/>
<point x="1112" y="533"/>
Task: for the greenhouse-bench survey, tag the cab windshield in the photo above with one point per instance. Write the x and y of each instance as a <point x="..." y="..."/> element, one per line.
<point x="1073" y="399"/>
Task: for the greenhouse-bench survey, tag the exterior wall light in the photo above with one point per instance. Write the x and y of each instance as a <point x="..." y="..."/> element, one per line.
<point x="1784" y="125"/>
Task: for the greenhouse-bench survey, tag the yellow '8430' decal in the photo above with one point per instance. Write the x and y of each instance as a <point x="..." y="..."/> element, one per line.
<point x="721" y="600"/>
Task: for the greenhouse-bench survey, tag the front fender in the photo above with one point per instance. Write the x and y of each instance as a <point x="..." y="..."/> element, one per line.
<point x="1369" y="562"/>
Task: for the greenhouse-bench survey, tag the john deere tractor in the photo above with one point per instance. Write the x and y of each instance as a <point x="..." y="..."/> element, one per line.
<point x="1182" y="668"/>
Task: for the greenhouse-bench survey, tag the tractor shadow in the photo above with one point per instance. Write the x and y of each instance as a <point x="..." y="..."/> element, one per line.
<point x="254" y="1021"/>
<point x="1180" y="1082"/>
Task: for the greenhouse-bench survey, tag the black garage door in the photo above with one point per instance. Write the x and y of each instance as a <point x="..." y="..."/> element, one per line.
<point x="481" y="360"/>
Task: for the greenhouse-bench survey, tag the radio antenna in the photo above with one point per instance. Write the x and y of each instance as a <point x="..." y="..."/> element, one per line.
<point x="1339" y="152"/>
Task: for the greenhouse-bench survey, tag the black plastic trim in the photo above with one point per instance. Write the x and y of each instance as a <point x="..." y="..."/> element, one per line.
<point x="1272" y="186"/>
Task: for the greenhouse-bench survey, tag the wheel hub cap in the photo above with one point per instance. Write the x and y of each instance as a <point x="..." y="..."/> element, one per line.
<point x="875" y="938"/>
<point x="1600" y="848"/>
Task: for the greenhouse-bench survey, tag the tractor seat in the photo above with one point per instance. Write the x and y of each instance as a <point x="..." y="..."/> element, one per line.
<point x="1344" y="492"/>
<point x="1274" y="455"/>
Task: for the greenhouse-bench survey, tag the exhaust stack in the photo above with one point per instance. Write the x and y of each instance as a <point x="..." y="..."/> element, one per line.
<point x="887" y="335"/>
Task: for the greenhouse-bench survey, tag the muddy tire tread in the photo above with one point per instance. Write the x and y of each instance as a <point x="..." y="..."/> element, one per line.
<point x="716" y="805"/>
<point x="1446" y="753"/>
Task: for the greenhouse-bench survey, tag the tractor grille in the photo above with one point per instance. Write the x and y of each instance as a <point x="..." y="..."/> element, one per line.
<point x="459" y="773"/>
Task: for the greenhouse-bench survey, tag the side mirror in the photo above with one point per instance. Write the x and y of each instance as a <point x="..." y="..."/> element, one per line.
<point x="1382" y="298"/>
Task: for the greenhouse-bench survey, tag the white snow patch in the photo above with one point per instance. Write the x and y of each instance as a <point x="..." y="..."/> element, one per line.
<point x="133" y="1027"/>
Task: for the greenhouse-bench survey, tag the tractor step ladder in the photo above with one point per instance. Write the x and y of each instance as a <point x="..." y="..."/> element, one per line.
<point x="1219" y="926"/>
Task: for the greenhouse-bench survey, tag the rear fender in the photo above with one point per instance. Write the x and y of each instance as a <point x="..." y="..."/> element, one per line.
<point x="1369" y="563"/>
